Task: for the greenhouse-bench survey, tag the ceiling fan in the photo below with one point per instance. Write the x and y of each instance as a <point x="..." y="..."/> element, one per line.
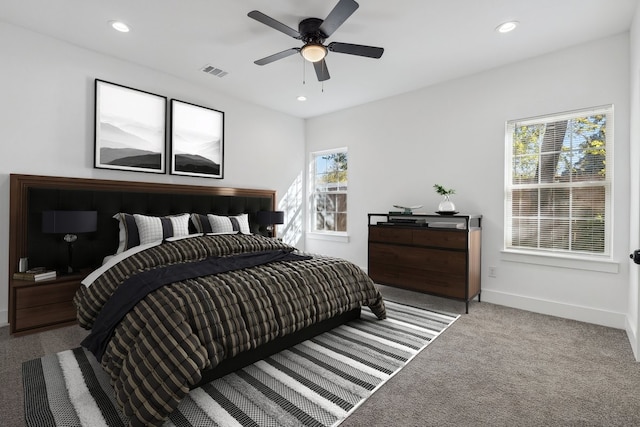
<point x="313" y="32"/>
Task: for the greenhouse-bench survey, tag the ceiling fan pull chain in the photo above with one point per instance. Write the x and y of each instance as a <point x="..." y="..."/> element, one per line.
<point x="324" y="65"/>
<point x="304" y="72"/>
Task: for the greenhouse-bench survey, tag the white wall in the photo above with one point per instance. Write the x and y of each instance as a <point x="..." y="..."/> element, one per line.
<point x="453" y="134"/>
<point x="46" y="117"/>
<point x="633" y="317"/>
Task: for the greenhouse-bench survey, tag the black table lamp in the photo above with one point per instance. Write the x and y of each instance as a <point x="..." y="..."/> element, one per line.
<point x="69" y="223"/>
<point x="270" y="218"/>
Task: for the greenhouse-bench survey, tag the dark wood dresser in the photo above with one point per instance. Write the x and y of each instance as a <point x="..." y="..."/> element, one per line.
<point x="434" y="254"/>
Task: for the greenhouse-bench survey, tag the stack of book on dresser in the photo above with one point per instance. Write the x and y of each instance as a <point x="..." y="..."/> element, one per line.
<point x="36" y="274"/>
<point x="405" y="220"/>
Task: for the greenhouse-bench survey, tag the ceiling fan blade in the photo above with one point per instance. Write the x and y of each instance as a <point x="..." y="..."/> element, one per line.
<point x="338" y="15"/>
<point x="321" y="70"/>
<point x="276" y="25"/>
<point x="356" y="49"/>
<point x="271" y="58"/>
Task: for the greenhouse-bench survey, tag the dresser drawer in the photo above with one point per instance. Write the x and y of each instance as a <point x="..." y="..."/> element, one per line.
<point x="45" y="315"/>
<point x="390" y="235"/>
<point x="432" y="260"/>
<point x="448" y="284"/>
<point x="451" y="239"/>
<point x="43" y="293"/>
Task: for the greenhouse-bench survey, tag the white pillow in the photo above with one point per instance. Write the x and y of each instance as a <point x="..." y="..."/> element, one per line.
<point x="228" y="224"/>
<point x="153" y="228"/>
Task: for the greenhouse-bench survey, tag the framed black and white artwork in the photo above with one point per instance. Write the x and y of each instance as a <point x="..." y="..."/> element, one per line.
<point x="197" y="140"/>
<point x="130" y="129"/>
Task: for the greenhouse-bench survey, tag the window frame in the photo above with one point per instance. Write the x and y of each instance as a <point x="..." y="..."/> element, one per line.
<point x="536" y="255"/>
<point x="325" y="234"/>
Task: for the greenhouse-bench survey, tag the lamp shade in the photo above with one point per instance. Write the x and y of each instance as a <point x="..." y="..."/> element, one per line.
<point x="313" y="52"/>
<point x="69" y="221"/>
<point x="270" y="217"/>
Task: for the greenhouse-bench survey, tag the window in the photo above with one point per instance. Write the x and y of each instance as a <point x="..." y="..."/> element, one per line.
<point x="328" y="180"/>
<point x="558" y="184"/>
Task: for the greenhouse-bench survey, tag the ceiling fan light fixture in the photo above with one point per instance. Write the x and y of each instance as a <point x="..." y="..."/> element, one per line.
<point x="313" y="52"/>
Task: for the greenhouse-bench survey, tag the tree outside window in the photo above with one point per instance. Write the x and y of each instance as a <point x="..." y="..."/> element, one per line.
<point x="559" y="186"/>
<point x="329" y="191"/>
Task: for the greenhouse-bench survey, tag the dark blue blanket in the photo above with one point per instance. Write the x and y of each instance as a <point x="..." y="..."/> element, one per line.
<point x="137" y="287"/>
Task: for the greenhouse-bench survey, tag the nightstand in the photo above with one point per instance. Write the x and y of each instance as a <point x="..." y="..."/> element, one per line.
<point x="43" y="305"/>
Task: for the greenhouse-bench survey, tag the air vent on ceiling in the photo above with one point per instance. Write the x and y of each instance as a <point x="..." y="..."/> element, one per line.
<point x="210" y="69"/>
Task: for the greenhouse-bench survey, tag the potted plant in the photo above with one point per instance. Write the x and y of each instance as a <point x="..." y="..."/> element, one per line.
<point x="446" y="205"/>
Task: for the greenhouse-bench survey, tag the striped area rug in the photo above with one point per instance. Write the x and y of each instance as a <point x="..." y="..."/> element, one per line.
<point x="316" y="383"/>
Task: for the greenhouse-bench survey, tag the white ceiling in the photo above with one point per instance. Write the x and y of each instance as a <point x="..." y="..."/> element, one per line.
<point x="425" y="41"/>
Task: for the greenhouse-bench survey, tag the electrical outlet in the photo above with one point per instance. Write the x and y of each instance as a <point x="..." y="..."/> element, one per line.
<point x="492" y="271"/>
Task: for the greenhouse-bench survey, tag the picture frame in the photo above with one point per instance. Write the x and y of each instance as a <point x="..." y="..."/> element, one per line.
<point x="197" y="140"/>
<point x="130" y="129"/>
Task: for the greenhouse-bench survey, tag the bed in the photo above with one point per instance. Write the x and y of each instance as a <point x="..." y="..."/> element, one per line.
<point x="167" y="316"/>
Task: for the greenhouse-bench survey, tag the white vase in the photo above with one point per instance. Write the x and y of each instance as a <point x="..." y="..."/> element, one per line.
<point x="446" y="205"/>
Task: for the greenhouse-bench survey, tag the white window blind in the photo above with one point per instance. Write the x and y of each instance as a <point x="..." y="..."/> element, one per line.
<point x="558" y="183"/>
<point x="328" y="181"/>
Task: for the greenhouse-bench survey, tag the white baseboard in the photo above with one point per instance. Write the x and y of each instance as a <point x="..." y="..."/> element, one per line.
<point x="633" y="338"/>
<point x="558" y="309"/>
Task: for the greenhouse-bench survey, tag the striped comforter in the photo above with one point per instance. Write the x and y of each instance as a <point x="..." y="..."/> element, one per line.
<point x="161" y="346"/>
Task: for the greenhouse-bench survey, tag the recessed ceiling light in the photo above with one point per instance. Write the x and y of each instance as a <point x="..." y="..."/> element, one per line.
<point x="302" y="98"/>
<point x="506" y="27"/>
<point x="119" y="26"/>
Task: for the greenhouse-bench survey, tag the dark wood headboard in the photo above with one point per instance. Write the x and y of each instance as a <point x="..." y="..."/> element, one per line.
<point x="30" y="195"/>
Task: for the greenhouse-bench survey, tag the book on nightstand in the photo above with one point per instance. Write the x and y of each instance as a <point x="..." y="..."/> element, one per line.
<point x="35" y="275"/>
